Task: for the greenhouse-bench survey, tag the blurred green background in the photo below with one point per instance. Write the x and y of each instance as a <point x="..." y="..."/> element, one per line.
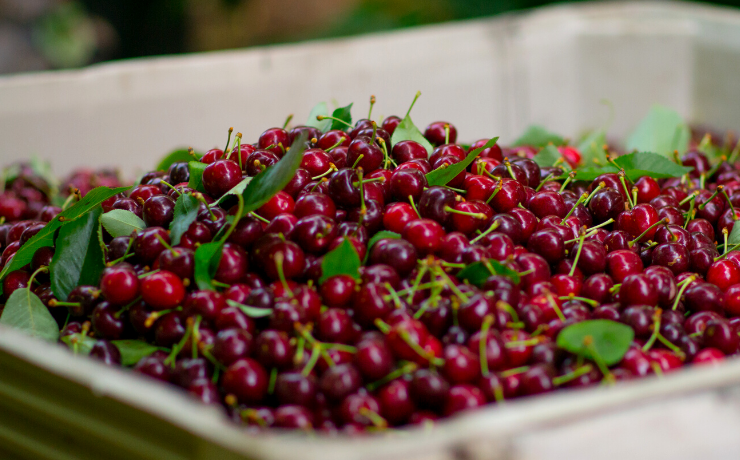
<point x="54" y="34"/>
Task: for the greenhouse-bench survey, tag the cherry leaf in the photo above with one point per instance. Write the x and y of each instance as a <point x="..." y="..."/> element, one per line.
<point x="186" y="211"/>
<point x="120" y="222"/>
<point x="45" y="237"/>
<point x="443" y="175"/>
<point x="79" y="344"/>
<point x="78" y="258"/>
<point x="252" y="312"/>
<point x="407" y="131"/>
<point x="207" y="257"/>
<point x="547" y="156"/>
<point x="637" y="165"/>
<point x="25" y="311"/>
<point x="319" y="109"/>
<point x="662" y="131"/>
<point x="196" y="169"/>
<point x="342" y="113"/>
<point x="475" y="273"/>
<point x="609" y="340"/>
<point x="734" y="237"/>
<point x="377" y="237"/>
<point x="537" y="136"/>
<point x="342" y="260"/>
<point x="133" y="350"/>
<point x="176" y="156"/>
<point x="591" y="148"/>
<point x="269" y="182"/>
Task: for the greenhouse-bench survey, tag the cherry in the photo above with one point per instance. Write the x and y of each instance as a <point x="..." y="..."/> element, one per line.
<point x="675" y="256"/>
<point x="311" y="204"/>
<point x="637" y="289"/>
<point x="606" y="204"/>
<point x="547" y="204"/>
<point x="294" y="388"/>
<point x="463" y="397"/>
<point x="425" y="234"/>
<point x="548" y="244"/>
<point x="221" y="176"/>
<point x="721" y="335"/>
<point x="647" y="189"/>
<point x="278" y="204"/>
<point x="701" y="296"/>
<point x="162" y="290"/>
<point x="340" y="381"/>
<point x="723" y="274"/>
<point x="119" y="285"/>
<point x="397" y="253"/>
<point x="246" y="379"/>
<point x="436" y="133"/>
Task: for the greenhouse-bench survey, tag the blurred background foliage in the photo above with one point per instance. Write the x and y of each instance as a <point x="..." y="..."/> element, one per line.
<point x="56" y="34"/>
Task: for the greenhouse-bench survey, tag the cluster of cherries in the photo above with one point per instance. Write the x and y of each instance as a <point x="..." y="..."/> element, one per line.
<point x="405" y="342"/>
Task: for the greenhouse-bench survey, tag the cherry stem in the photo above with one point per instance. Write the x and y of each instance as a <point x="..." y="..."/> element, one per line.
<point x="647" y="230"/>
<point x="634" y="195"/>
<point x="581" y="199"/>
<point x="375" y="131"/>
<point x="339" y="142"/>
<point x="452" y="285"/>
<point x="591" y="302"/>
<point x="363" y="207"/>
<point x="671" y="346"/>
<point x="238" y="148"/>
<point x="567" y="180"/>
<point x="393" y="375"/>
<point x="382" y="326"/>
<point x="273" y="379"/>
<point x="690" y="197"/>
<point x="725" y="234"/>
<point x="720" y="188"/>
<point x="164" y="243"/>
<point x="507" y="163"/>
<point x="125" y="255"/>
<point x="501" y="305"/>
<point x="394" y="295"/>
<point x="258" y="217"/>
<point x="367" y="181"/>
<point x="621" y="175"/>
<point x="201" y="198"/>
<point x="495" y="190"/>
<point x="578" y="255"/>
<point x="687" y="282"/>
<point x="370" y="112"/>
<point x="555" y="306"/>
<point x="447" y="133"/>
<point x="413" y="205"/>
<point x="327" y="117"/>
<point x="588" y="341"/>
<point x="376" y="419"/>
<point x="287" y="121"/>
<point x="42" y="269"/>
<point x="474" y="215"/>
<point x="279" y="259"/>
<point x="483" y="344"/>
<point x="542" y="182"/>
<point x="690" y="214"/>
<point x="59" y="303"/>
<point x="362" y="155"/>
<point x="417" y="281"/>
<point x="565" y="378"/>
<point x="656" y="330"/>
<point x="599" y="187"/>
<point x="418" y="93"/>
<point x="388" y="159"/>
<point x="228" y="139"/>
<point x="732" y="248"/>
<point x="522" y="343"/>
<point x="732" y="208"/>
<point x="419" y="350"/>
<point x="237" y="217"/>
<point x="514" y="371"/>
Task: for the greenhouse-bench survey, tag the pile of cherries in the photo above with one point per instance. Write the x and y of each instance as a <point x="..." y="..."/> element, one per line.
<point x="406" y="341"/>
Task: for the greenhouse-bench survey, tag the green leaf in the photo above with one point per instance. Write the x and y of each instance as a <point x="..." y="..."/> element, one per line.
<point x="120" y="222"/>
<point x="610" y="340"/>
<point x="734" y="237"/>
<point x="176" y="156"/>
<point x="537" y="136"/>
<point x="25" y="311"/>
<point x="266" y="184"/>
<point x="342" y="260"/>
<point x="238" y="189"/>
<point x="79" y="344"/>
<point x="407" y="131"/>
<point x="342" y="113"/>
<point x="547" y="156"/>
<point x="196" y="169"/>
<point x="441" y="176"/>
<point x="252" y="312"/>
<point x="475" y="273"/>
<point x="636" y="165"/>
<point x="319" y="109"/>
<point x="662" y="131"/>
<point x="78" y="259"/>
<point x="45" y="237"/>
<point x="591" y="148"/>
<point x="207" y="257"/>
<point x="133" y="350"/>
<point x="377" y="237"/>
<point x="478" y="272"/>
<point x="186" y="211"/>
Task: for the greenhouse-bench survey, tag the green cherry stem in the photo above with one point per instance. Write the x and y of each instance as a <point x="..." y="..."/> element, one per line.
<point x="687" y="281"/>
<point x="622" y="176"/>
<point x="327" y="117"/>
<point x="656" y="330"/>
<point x="720" y="188"/>
<point x="483" y="344"/>
<point x="418" y="93"/>
<point x="570" y="376"/>
<point x="581" y="199"/>
<point x="228" y="139"/>
<point x="599" y="187"/>
<point x="647" y="230"/>
<point x="578" y="254"/>
<point x="370" y="112"/>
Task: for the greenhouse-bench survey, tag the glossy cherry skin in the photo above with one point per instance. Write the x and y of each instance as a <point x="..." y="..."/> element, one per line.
<point x="675" y="256"/>
<point x="621" y="263"/>
<point x="637" y="289"/>
<point x="606" y="204"/>
<point x="119" y="285"/>
<point x="548" y="244"/>
<point x="723" y="274"/>
<point x="721" y="335"/>
<point x="425" y="234"/>
<point x="221" y="176"/>
<point x="436" y="133"/>
<point x="247" y="380"/>
<point x="162" y="290"/>
<point x="647" y="189"/>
